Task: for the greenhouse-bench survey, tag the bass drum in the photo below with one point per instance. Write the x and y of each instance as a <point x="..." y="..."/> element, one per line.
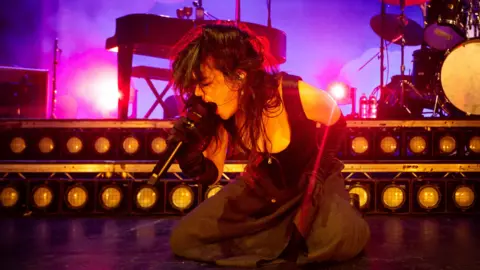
<point x="460" y="77"/>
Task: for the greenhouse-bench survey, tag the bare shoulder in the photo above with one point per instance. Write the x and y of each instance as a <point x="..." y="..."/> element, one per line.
<point x="217" y="147"/>
<point x="318" y="105"/>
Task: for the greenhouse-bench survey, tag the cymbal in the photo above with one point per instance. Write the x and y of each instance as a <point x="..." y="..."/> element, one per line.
<point x="407" y="2"/>
<point x="392" y="29"/>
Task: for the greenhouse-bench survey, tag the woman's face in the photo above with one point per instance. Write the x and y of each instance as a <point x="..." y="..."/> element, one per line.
<point x="216" y="89"/>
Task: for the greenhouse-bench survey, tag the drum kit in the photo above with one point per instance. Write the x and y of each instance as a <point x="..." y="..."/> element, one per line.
<point x="446" y="69"/>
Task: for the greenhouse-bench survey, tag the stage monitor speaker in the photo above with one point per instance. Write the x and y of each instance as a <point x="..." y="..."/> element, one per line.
<point x="23" y="93"/>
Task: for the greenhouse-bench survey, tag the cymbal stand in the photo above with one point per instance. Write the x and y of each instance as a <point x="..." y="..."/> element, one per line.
<point x="402" y="52"/>
<point x="475" y="17"/>
<point x="382" y="46"/>
<point x="379" y="55"/>
<point x="237" y="11"/>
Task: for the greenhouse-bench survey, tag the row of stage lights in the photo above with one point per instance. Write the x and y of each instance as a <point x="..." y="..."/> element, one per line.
<point x="174" y="197"/>
<point x="413" y="146"/>
<point x="361" y="146"/>
<point x="54" y="196"/>
<point x="77" y="148"/>
<point x="428" y="197"/>
<point x="75" y="145"/>
<point x="404" y="196"/>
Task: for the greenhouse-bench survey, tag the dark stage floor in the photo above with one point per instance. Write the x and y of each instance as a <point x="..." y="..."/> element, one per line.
<point x="142" y="243"/>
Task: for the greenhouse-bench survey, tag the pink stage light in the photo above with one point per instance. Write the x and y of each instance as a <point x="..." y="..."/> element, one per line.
<point x="341" y="92"/>
<point x="90" y="79"/>
<point x="98" y="88"/>
<point x="105" y="89"/>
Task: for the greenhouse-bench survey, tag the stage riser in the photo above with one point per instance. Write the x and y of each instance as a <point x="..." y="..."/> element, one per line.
<point x="367" y="174"/>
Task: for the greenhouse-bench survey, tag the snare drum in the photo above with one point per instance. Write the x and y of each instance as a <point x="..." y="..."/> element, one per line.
<point x="446" y="22"/>
<point x="460" y="77"/>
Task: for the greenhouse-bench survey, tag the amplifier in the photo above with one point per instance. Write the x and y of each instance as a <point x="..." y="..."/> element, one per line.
<point x="23" y="93"/>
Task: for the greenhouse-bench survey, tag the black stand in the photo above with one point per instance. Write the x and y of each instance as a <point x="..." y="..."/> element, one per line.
<point x="158" y="96"/>
<point x="237" y="11"/>
<point x="56" y="52"/>
<point x="124" y="65"/>
<point x="382" y="46"/>
<point x="402" y="52"/>
<point x="159" y="74"/>
<point x="353" y="97"/>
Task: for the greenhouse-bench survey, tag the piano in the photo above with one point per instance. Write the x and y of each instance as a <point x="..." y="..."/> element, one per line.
<point x="155" y="36"/>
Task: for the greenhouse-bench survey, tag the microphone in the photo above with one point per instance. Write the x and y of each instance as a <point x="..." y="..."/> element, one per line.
<point x="197" y="110"/>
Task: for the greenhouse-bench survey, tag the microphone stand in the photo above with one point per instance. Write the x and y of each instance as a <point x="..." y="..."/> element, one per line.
<point x="164" y="163"/>
<point x="237" y="11"/>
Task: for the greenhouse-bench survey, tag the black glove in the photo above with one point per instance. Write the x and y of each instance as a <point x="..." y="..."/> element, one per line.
<point x="188" y="132"/>
<point x="190" y="156"/>
<point x="196" y="132"/>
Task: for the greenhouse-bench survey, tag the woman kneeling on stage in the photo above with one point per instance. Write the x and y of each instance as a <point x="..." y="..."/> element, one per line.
<point x="290" y="205"/>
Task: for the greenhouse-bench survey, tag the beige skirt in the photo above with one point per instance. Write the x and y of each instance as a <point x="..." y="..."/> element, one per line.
<point x="243" y="227"/>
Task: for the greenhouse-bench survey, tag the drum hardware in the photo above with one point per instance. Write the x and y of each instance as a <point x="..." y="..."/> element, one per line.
<point x="406" y="3"/>
<point x="389" y="106"/>
<point x="474" y="21"/>
<point x="399" y="30"/>
<point x="415" y="90"/>
<point x="379" y="53"/>
<point x="396" y="29"/>
<point x="472" y="18"/>
<point x="382" y="43"/>
<point x="378" y="24"/>
<point x="444" y="77"/>
<point x="402" y="52"/>
<point x="447" y="22"/>
<point x="435" y="106"/>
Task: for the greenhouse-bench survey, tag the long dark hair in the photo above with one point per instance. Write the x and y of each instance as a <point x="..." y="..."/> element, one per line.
<point x="231" y="48"/>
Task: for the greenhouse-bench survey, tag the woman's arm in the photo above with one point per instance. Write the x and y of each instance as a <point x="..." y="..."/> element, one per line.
<point x="318" y="105"/>
<point x="218" y="153"/>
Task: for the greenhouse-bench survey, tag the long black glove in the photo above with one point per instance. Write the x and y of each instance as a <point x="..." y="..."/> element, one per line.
<point x="195" y="138"/>
<point x="330" y="142"/>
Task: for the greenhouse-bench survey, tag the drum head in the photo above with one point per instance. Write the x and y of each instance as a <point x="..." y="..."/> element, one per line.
<point x="460" y="77"/>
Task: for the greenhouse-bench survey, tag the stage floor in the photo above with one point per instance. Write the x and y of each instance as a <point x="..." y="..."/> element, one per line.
<point x="398" y="242"/>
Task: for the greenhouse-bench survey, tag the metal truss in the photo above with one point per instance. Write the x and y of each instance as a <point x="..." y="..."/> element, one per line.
<point x="168" y="124"/>
<point x="413" y="123"/>
<point x="138" y="171"/>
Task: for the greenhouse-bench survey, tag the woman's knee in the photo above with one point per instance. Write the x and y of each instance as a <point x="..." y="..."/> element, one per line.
<point x="354" y="243"/>
<point x="180" y="239"/>
<point x="176" y="242"/>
